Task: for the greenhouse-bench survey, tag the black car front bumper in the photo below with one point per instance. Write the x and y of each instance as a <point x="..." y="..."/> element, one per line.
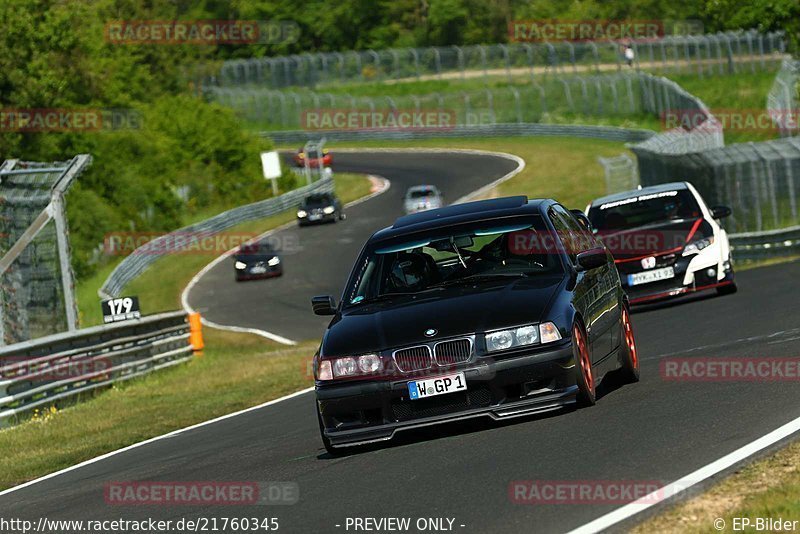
<point x="246" y="274"/>
<point x="364" y="412"/>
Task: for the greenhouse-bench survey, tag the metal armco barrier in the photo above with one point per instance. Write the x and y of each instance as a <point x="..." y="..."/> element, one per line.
<point x="44" y="371"/>
<point x="611" y="133"/>
<point x="760" y="245"/>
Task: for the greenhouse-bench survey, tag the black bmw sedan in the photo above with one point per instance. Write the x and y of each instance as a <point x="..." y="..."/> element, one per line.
<point x="319" y="208"/>
<point x="496" y="308"/>
<point x="257" y="260"/>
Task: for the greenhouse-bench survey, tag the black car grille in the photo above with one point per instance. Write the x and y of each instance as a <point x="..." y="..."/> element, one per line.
<point x="413" y="359"/>
<point x="479" y="397"/>
<point x="452" y="352"/>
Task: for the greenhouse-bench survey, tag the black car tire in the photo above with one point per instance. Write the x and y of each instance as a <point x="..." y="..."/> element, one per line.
<point x="342" y="216"/>
<point x="727" y="289"/>
<point x="325" y="441"/>
<point x="627" y="345"/>
<point x="583" y="366"/>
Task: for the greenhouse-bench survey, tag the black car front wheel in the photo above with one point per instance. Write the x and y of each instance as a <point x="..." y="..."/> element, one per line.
<point x="325" y="441"/>
<point x="630" y="354"/>
<point x="583" y="366"/>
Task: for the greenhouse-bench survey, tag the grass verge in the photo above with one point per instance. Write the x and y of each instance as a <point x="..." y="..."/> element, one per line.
<point x="241" y="369"/>
<point x="160" y="286"/>
<point x="768" y="488"/>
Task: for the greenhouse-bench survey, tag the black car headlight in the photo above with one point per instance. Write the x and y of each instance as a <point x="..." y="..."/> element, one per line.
<point x="349" y="366"/>
<point x="327" y="210"/>
<point x="239" y="265"/>
<point x="521" y="336"/>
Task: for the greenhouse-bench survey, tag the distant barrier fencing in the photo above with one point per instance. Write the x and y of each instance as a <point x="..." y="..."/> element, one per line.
<point x="141" y="258"/>
<point x="783" y="98"/>
<point x="36" y="279"/>
<point x="51" y="369"/>
<point x="759" y="181"/>
<point x="631" y="93"/>
<point x="701" y="54"/>
<point x="611" y="133"/>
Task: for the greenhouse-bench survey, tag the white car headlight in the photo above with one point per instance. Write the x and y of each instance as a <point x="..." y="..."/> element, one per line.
<point x="301" y="213"/>
<point x="328" y="210"/>
<point x="240" y="265"/>
<point x="275" y="260"/>
<point x="696" y="246"/>
<point x="513" y="337"/>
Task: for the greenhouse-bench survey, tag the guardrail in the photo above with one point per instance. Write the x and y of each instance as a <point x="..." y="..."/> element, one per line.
<point x="141" y="258"/>
<point x="611" y="133"/>
<point x="44" y="371"/>
<point x="760" y="245"/>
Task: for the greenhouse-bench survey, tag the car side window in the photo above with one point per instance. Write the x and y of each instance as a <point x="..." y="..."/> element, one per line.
<point x="563" y="231"/>
<point x="573" y="235"/>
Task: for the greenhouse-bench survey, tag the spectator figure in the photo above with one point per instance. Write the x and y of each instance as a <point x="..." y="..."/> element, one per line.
<point x="630" y="55"/>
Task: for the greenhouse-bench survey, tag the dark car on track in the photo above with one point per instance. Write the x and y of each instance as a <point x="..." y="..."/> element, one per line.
<point x="319" y="208"/>
<point x="257" y="260"/>
<point x="497" y="308"/>
<point x="665" y="241"/>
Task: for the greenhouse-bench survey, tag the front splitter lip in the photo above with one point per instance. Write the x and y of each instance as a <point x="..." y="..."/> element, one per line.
<point x="676" y="292"/>
<point x="540" y="404"/>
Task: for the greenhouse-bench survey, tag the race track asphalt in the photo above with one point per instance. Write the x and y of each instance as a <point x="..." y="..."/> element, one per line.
<point x="655" y="431"/>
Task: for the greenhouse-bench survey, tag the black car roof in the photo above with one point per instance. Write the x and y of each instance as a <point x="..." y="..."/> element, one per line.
<point x="660" y="188"/>
<point x="463" y="213"/>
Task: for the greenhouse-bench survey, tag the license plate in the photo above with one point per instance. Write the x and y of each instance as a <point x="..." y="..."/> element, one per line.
<point x="258" y="269"/>
<point x="314" y="217"/>
<point x="422" y="389"/>
<point x="651" y="276"/>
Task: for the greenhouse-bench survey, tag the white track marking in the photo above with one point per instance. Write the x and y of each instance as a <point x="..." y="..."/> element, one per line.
<point x="157" y="438"/>
<point x="681" y="485"/>
<point x="381" y="185"/>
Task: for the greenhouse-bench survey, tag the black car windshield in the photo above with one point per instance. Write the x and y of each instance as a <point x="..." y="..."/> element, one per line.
<point x="314" y="200"/>
<point x="644" y="210"/>
<point x="421" y="193"/>
<point x="256" y="249"/>
<point x="460" y="256"/>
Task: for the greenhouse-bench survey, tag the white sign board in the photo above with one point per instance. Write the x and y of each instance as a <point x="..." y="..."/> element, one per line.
<point x="271" y="163"/>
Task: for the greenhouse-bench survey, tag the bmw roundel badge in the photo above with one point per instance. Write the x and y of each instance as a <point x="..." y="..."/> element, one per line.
<point x="430" y="332"/>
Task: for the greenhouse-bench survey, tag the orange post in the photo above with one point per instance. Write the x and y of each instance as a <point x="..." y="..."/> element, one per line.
<point x="196" y="332"/>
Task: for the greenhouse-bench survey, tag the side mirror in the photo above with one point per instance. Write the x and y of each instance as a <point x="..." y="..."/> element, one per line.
<point x="323" y="305"/>
<point x="583" y="219"/>
<point x="591" y="259"/>
<point x="720" y="212"/>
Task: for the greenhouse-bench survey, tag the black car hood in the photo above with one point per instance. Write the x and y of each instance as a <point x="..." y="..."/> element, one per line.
<point x="654" y="239"/>
<point x="315" y="205"/>
<point x="451" y="311"/>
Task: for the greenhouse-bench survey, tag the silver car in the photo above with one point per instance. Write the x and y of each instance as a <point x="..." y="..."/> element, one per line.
<point x="421" y="198"/>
